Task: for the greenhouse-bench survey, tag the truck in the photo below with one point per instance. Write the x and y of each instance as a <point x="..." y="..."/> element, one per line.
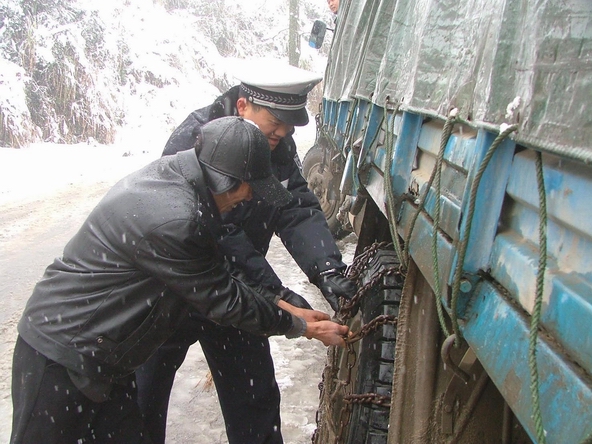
<point x="454" y="141"/>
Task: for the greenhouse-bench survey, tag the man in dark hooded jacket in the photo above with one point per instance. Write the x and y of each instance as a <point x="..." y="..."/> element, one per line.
<point x="145" y="257"/>
<point x="275" y="100"/>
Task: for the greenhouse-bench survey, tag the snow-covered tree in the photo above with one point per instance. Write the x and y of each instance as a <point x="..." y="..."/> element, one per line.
<point x="69" y="68"/>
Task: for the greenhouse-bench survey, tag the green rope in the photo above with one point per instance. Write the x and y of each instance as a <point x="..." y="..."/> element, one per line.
<point x="462" y="248"/>
<point x="404" y="257"/>
<point x="420" y="207"/>
<point x="390" y="197"/>
<point x="436" y="175"/>
<point x="536" y="312"/>
<point x="446" y="133"/>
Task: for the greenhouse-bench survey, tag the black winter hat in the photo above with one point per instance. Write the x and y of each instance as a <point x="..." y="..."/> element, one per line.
<point x="234" y="149"/>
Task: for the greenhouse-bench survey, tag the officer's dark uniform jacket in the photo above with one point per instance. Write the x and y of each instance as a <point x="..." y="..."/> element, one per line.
<point x="301" y="225"/>
<point x="125" y="279"/>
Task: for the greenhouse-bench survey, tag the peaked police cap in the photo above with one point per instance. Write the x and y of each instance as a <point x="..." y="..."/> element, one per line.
<point x="281" y="88"/>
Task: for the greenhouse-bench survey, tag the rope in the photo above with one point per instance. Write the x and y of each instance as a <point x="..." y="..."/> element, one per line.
<point x="462" y="248"/>
<point x="436" y="175"/>
<point x="418" y="212"/>
<point x="536" y="313"/>
<point x="446" y="133"/>
<point x="390" y="196"/>
<point x="404" y="257"/>
<point x="435" y="179"/>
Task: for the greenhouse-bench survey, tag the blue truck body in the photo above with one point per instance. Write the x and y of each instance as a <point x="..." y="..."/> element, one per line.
<point x="469" y="215"/>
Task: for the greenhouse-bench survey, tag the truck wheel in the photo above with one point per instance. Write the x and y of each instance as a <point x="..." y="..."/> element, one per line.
<point x="357" y="413"/>
<point x="369" y="421"/>
<point x="325" y="185"/>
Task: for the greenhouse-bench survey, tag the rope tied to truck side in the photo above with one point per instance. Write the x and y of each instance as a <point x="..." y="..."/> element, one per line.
<point x="390" y="195"/>
<point x="463" y="242"/>
<point x="536" y="314"/>
<point x="435" y="176"/>
<point x="435" y="179"/>
<point x="538" y="302"/>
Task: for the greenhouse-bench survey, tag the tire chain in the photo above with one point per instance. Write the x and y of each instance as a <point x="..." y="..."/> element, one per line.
<point x="348" y="309"/>
<point x="371" y="326"/>
<point x="369" y="398"/>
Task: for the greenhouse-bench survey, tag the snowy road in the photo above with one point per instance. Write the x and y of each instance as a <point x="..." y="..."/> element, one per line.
<point x="36" y="224"/>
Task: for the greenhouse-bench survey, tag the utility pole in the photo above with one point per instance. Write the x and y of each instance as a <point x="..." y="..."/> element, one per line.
<point x="293" y="35"/>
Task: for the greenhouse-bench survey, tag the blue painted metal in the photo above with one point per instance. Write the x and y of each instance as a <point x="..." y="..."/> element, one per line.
<point x="490" y="197"/>
<point x="350" y="182"/>
<point x="420" y="246"/>
<point x="359" y="119"/>
<point x="341" y="124"/>
<point x="407" y="135"/>
<point x="503" y="244"/>
<point x="374" y="124"/>
<point x="568" y="317"/>
<point x="567" y="311"/>
<point x="568" y="194"/>
<point x="488" y="82"/>
<point x="329" y="114"/>
<point x="459" y="152"/>
<point x="498" y="332"/>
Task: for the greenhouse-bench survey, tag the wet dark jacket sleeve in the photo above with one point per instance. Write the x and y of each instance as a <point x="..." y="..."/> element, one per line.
<point x="239" y="250"/>
<point x="301" y="225"/>
<point x="303" y="228"/>
<point x="183" y="137"/>
<point x="194" y="272"/>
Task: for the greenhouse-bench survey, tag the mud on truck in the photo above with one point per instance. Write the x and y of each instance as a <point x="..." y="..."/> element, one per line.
<point x="455" y="140"/>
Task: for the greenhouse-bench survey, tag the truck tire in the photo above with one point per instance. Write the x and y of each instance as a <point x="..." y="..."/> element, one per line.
<point x="375" y="363"/>
<point x="344" y="417"/>
<point x="325" y="185"/>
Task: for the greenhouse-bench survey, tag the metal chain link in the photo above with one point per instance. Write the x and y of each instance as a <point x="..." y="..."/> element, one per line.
<point x="369" y="398"/>
<point x="348" y="308"/>
<point x="360" y="262"/>
<point x="372" y="326"/>
<point x="344" y="385"/>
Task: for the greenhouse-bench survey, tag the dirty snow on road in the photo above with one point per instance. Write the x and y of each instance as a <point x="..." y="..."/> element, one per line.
<point x="46" y="191"/>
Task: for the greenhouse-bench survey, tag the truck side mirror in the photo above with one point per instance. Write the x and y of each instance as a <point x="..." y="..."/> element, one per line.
<point x="317" y="35"/>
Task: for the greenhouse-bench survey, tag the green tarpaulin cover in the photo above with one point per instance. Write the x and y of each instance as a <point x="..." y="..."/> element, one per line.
<point x="496" y="61"/>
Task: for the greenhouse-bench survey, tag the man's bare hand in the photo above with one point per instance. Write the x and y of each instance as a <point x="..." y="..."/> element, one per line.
<point x="328" y="332"/>
<point x="307" y="315"/>
<point x="318" y="325"/>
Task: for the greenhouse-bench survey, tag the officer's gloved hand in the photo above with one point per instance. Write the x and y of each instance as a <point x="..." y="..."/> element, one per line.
<point x="335" y="285"/>
<point x="294" y="299"/>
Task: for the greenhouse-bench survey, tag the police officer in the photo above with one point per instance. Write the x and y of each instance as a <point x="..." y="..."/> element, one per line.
<point x="273" y="97"/>
<point x="144" y="257"/>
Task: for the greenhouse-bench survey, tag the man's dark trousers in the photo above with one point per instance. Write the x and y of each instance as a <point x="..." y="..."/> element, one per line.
<point x="242" y="370"/>
<point x="40" y="390"/>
